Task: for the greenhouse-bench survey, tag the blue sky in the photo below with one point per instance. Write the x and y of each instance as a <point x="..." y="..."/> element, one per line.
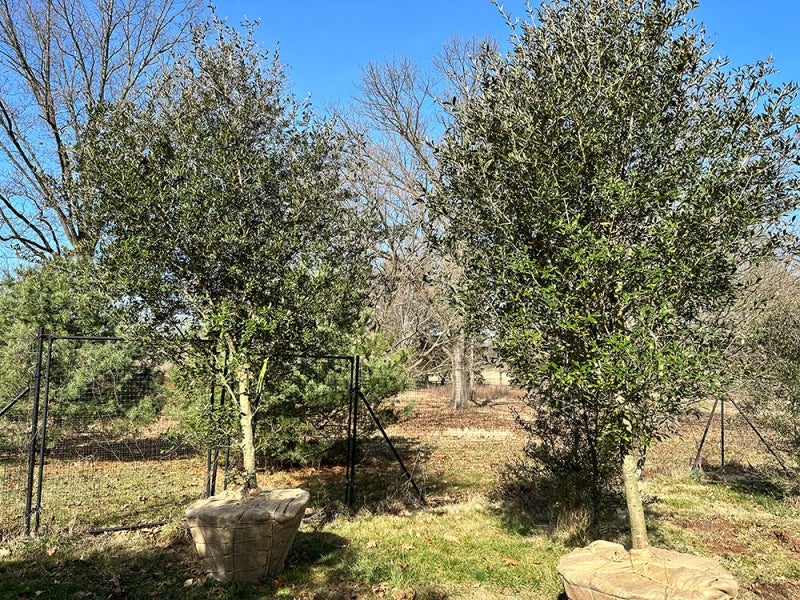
<point x="325" y="43"/>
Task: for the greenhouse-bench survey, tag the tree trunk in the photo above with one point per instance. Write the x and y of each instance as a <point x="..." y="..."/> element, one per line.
<point x="469" y="361"/>
<point x="244" y="377"/>
<point x="633" y="499"/>
<point x="460" y="377"/>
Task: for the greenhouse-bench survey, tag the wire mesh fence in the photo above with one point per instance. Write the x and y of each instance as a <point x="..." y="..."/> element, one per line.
<point x="15" y="434"/>
<point x="321" y="411"/>
<point x="91" y="444"/>
<point x="14" y="444"/>
<point x="303" y="417"/>
<point x="88" y="447"/>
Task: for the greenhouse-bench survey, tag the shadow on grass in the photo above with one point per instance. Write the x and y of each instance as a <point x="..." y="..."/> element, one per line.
<point x="761" y="482"/>
<point x="136" y="566"/>
<point x="320" y="566"/>
<point x="379" y="483"/>
<point x="560" y="508"/>
<point x="311" y="547"/>
<point x="95" y="567"/>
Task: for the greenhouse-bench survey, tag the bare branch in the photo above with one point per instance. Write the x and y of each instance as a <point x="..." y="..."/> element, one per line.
<point x="60" y="58"/>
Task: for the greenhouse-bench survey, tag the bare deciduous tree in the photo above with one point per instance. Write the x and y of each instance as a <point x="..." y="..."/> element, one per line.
<point x="59" y="59"/>
<point x="397" y="108"/>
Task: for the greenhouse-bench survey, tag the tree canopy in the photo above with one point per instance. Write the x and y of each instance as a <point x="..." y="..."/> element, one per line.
<point x="60" y="59"/>
<point x="605" y="180"/>
<point x="226" y="212"/>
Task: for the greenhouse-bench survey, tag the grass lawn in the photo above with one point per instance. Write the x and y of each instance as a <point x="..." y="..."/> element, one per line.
<point x="463" y="544"/>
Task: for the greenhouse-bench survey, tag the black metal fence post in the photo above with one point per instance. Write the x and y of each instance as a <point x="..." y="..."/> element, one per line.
<point x="696" y="463"/>
<point x="786" y="470"/>
<point x="352" y="430"/>
<point x="34" y="430"/>
<point x="212" y="455"/>
<point x="406" y="472"/>
<point x="721" y="402"/>
<point x="357" y="393"/>
<point x="212" y="458"/>
<point x="43" y="436"/>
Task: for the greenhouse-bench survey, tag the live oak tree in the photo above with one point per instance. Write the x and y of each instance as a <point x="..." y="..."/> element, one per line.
<point x="59" y="59"/>
<point x="227" y="221"/>
<point x="604" y="181"/>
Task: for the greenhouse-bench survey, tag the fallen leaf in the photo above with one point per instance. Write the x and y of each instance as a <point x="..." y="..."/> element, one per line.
<point x="188" y="583"/>
<point x="380" y="589"/>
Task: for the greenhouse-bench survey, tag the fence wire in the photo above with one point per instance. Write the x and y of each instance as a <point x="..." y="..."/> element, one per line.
<point x="302" y="418"/>
<point x="14" y="443"/>
<point x="105" y="455"/>
<point x="95" y="443"/>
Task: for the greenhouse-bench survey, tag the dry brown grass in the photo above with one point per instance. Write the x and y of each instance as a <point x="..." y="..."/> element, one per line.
<point x="463" y="545"/>
<point x="747" y="515"/>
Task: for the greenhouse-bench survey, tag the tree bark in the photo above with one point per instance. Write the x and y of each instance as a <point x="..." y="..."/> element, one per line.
<point x="633" y="499"/>
<point x="244" y="378"/>
<point x="460" y="378"/>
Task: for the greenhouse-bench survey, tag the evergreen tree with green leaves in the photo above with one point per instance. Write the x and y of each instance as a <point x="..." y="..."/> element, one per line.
<point x="94" y="385"/>
<point x="230" y="225"/>
<point x="605" y="180"/>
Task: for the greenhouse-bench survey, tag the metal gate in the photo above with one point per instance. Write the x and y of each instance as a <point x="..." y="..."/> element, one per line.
<point x="353" y="423"/>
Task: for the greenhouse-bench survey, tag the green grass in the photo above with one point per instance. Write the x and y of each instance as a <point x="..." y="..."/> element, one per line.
<point x="80" y="496"/>
<point x="463" y="545"/>
<point x="460" y="547"/>
<point x="458" y="551"/>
